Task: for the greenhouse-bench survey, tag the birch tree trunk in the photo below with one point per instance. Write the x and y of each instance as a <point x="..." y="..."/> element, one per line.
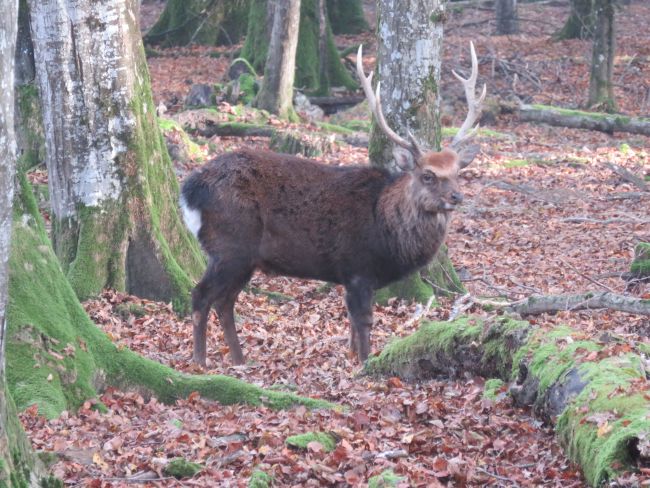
<point x="112" y="186"/>
<point x="507" y="19"/>
<point x="276" y="94"/>
<point x="601" y="84"/>
<point x="18" y="466"/>
<point x="409" y="57"/>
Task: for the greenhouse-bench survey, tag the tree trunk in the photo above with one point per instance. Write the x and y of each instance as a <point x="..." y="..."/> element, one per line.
<point x="276" y="94"/>
<point x="346" y="16"/>
<point x="591" y="392"/>
<point x="601" y="84"/>
<point x="580" y="23"/>
<point x="507" y="19"/>
<point x="18" y="465"/>
<point x="308" y="73"/>
<point x="408" y="66"/>
<point x="112" y="186"/>
<point x="205" y="22"/>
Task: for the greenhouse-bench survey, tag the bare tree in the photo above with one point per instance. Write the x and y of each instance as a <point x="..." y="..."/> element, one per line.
<point x="507" y="19"/>
<point x="276" y="94"/>
<point x="601" y="85"/>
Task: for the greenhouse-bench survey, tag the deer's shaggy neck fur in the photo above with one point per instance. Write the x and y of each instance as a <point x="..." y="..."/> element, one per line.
<point x="412" y="234"/>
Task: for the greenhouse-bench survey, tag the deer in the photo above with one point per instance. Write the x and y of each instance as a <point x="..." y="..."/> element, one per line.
<point x="362" y="227"/>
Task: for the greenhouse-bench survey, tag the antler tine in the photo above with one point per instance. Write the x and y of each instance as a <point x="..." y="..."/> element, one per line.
<point x="473" y="105"/>
<point x="374" y="101"/>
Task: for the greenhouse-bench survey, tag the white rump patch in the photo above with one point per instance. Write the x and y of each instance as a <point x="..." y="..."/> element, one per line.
<point x="192" y="217"/>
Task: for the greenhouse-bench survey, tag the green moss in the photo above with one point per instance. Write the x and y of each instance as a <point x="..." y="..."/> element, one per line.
<point x="192" y="148"/>
<point x="386" y="479"/>
<point x="410" y="288"/>
<point x="427" y="341"/>
<point x="337" y="129"/>
<point x="640" y="267"/>
<point x="273" y="296"/>
<point x="600" y="438"/>
<point x="516" y="163"/>
<point x="260" y="479"/>
<point x="248" y="88"/>
<point x="487" y="133"/>
<point x="624" y="148"/>
<point x="356" y="125"/>
<point x="300" y="441"/>
<point x="30" y="137"/>
<point x="180" y="468"/>
<point x="492" y="387"/>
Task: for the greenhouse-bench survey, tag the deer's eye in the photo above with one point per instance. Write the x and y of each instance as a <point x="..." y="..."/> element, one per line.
<point x="428" y="178"/>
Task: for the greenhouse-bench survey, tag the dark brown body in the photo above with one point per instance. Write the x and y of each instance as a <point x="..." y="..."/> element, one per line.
<point x="357" y="226"/>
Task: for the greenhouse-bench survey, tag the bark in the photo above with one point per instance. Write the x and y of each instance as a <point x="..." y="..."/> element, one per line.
<point x="276" y="94"/>
<point x="18" y="465"/>
<point x="346" y="16"/>
<point x="601" y="83"/>
<point x="308" y="76"/>
<point x="577" y="119"/>
<point x="580" y="23"/>
<point x="507" y="18"/>
<point x="207" y="22"/>
<point x="112" y="186"/>
<point x="408" y="66"/>
<point x="585" y="389"/>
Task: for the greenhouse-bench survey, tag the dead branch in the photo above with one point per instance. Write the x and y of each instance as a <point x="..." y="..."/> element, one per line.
<point x="628" y="176"/>
<point x="538" y="304"/>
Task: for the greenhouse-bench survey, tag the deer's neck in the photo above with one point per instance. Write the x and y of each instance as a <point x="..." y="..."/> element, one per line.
<point x="411" y="235"/>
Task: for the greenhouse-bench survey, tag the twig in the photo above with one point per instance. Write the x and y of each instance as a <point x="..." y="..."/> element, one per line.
<point x="613" y="220"/>
<point x="493" y="475"/>
<point x="418" y="314"/>
<point x="597" y="283"/>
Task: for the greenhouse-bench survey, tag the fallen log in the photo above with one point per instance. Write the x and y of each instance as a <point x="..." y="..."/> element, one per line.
<point x="538" y="304"/>
<point x="578" y="119"/>
<point x="594" y="393"/>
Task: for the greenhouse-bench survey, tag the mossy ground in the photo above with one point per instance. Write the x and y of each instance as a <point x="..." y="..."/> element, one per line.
<point x="301" y="441"/>
<point x="386" y="479"/>
<point x="181" y="468"/>
<point x="599" y="424"/>
<point x="260" y="479"/>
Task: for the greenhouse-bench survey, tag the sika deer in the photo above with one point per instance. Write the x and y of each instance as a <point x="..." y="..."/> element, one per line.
<point x="358" y="226"/>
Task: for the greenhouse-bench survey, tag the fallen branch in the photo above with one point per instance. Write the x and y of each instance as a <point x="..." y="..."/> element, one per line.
<point x="538" y="304"/>
<point x="577" y="119"/>
<point x="613" y="220"/>
<point x="628" y="176"/>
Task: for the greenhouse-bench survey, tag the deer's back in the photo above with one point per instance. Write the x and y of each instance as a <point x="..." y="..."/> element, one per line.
<point x="293" y="216"/>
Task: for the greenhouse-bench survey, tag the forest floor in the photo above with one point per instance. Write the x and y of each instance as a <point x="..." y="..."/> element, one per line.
<point x="556" y="229"/>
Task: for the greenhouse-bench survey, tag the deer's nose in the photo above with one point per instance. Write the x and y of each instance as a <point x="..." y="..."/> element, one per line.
<point x="456" y="198"/>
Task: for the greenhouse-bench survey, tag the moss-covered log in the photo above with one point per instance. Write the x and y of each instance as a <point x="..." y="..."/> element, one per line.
<point x="308" y="73"/>
<point x="594" y="393"/>
<point x="114" y="193"/>
<point x="204" y="22"/>
<point x="640" y="267"/>
<point x="57" y="358"/>
<point x="578" y="119"/>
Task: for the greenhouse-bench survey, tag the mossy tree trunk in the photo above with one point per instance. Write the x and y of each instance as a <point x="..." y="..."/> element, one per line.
<point x="408" y="66"/>
<point x="308" y="69"/>
<point x="207" y="22"/>
<point x="18" y="465"/>
<point x="276" y="94"/>
<point x="346" y="16"/>
<point x="593" y="393"/>
<point x="112" y="187"/>
<point x="507" y="18"/>
<point x="601" y="83"/>
<point x="580" y="23"/>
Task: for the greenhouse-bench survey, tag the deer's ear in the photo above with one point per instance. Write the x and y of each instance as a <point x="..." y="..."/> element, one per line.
<point x="403" y="159"/>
